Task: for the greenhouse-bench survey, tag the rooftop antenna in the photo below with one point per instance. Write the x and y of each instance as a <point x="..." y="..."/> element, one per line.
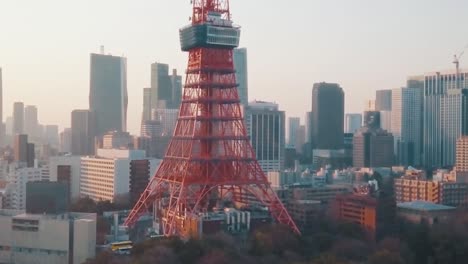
<point x="102" y="49"/>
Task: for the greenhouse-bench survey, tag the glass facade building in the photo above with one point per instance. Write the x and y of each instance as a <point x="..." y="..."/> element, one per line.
<point x="445" y="116"/>
<point x="240" y="64"/>
<point x="108" y="97"/>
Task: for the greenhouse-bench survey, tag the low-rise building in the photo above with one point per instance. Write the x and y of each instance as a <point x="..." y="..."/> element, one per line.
<point x="373" y="213"/>
<point x="49" y="239"/>
<point x="418" y="212"/>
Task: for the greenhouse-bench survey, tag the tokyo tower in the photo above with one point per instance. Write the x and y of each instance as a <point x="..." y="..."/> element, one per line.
<point x="210" y="157"/>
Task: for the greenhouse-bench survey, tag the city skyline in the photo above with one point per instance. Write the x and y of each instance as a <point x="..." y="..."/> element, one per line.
<point x="339" y="52"/>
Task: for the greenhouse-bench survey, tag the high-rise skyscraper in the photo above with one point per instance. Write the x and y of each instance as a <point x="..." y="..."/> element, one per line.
<point x="266" y="128"/>
<point x="31" y="121"/>
<point x="52" y="135"/>
<point x="241" y="67"/>
<point x="352" y="123"/>
<point x="18" y="118"/>
<point x="372" y="148"/>
<point x="24" y="151"/>
<point x="166" y="90"/>
<point x="383" y="100"/>
<point x="328" y="116"/>
<point x="108" y="97"/>
<point x="176" y="83"/>
<point x="83" y="132"/>
<point x="293" y="125"/>
<point x="386" y="120"/>
<point x="65" y="140"/>
<point x="445" y="116"/>
<point x="300" y="139"/>
<point x="407" y="113"/>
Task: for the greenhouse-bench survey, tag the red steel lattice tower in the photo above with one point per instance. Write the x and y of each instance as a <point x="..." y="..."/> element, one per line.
<point x="210" y="155"/>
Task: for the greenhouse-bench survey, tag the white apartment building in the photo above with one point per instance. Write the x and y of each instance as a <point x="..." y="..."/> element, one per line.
<point x="107" y="175"/>
<point x="16" y="188"/>
<point x="46" y="239"/>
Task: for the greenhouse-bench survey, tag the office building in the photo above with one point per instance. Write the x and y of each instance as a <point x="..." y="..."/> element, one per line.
<point x="293" y="125"/>
<point x="65" y="140"/>
<point x="66" y="169"/>
<point x="266" y="128"/>
<point x="353" y="122"/>
<point x="445" y="116"/>
<point x="176" y="82"/>
<point x="47" y="239"/>
<point x="18" y="118"/>
<point x="83" y="132"/>
<point x="335" y="158"/>
<point x="300" y="139"/>
<point x="9" y="126"/>
<point x="45" y="197"/>
<point x="108" y="175"/>
<point x="328" y="116"/>
<point x="155" y="147"/>
<point x="372" y="119"/>
<point x="385" y="120"/>
<point x="406" y="125"/>
<point x="24" y="151"/>
<point x="166" y="90"/>
<point x="108" y="93"/>
<point x="383" y="100"/>
<point x="152" y="128"/>
<point x="373" y="148"/>
<point x="31" y="122"/>
<point x="52" y="135"/>
<point x="117" y="140"/>
<point x="146" y="114"/>
<point x="167" y="118"/>
<point x="240" y="65"/>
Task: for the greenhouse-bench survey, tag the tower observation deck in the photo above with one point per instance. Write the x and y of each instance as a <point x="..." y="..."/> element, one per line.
<point x="209" y="160"/>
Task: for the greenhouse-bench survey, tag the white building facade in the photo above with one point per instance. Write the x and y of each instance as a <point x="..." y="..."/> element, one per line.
<point x="107" y="176"/>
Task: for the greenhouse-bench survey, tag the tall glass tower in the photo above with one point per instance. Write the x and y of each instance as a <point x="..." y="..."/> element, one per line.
<point x="108" y="97"/>
<point x="240" y="65"/>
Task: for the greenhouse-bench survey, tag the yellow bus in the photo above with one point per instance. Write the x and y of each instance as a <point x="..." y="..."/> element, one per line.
<point x="123" y="247"/>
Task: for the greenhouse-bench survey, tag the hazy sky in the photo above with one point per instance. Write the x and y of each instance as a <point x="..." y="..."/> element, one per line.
<point x="364" y="45"/>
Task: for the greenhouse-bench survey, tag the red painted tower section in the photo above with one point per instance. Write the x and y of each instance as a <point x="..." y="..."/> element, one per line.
<point x="210" y="157"/>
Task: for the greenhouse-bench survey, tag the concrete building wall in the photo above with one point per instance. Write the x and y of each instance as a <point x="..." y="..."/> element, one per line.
<point x="37" y="239"/>
<point x="84" y="240"/>
<point x="75" y="164"/>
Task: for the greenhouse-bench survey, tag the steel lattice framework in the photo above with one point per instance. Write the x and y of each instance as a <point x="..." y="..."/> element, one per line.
<point x="210" y="155"/>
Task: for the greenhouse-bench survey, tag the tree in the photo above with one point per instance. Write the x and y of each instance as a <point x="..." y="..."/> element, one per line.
<point x="385" y="257"/>
<point x="328" y="259"/>
<point x="160" y="254"/>
<point x="84" y="205"/>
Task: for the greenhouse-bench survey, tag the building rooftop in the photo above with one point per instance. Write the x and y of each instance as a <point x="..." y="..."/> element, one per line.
<point x="21" y="214"/>
<point x="424" y="206"/>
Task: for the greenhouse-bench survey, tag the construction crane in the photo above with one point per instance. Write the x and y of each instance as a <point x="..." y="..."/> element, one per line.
<point x="456" y="61"/>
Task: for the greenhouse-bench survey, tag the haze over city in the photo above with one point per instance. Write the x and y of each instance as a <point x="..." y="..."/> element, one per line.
<point x="362" y="45"/>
